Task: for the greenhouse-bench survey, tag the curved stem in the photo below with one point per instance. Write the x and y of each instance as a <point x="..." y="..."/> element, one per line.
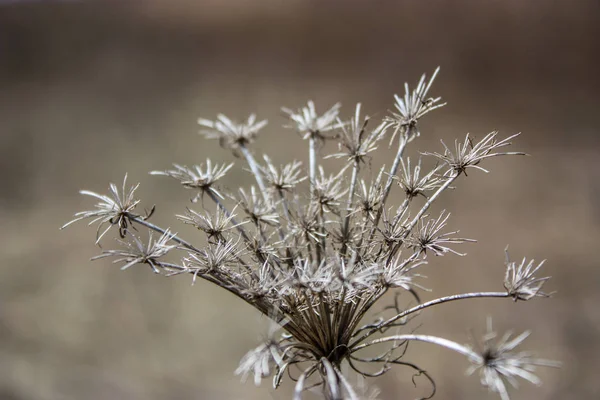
<point x="428" y="304"/>
<point x="449" y="344"/>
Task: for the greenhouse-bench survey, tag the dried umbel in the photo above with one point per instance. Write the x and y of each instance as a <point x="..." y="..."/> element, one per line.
<point x="316" y="253"/>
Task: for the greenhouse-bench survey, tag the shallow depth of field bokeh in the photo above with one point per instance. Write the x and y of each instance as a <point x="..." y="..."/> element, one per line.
<point x="91" y="90"/>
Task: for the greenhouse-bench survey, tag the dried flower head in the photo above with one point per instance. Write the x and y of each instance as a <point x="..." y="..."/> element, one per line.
<point x="113" y="209"/>
<point x="414" y="184"/>
<point x="257" y="208"/>
<point x="215" y="258"/>
<point x="469" y="155"/>
<point x="284" y="178"/>
<point x="412" y="107"/>
<point x="319" y="258"/>
<point x="328" y="190"/>
<point x="309" y="123"/>
<point x="498" y="363"/>
<point x="355" y="140"/>
<point x="428" y="237"/>
<point x="520" y="281"/>
<point x="230" y="133"/>
<point x="371" y="196"/>
<point x="136" y="252"/>
<point x="213" y="224"/>
<point x="258" y="361"/>
<point x="199" y="178"/>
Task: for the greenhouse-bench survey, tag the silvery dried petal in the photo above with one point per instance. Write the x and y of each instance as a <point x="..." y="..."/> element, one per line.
<point x="307" y="122"/>
<point x="266" y="282"/>
<point x="357" y="275"/>
<point x="258" y="362"/>
<point x="230" y="133"/>
<point x="371" y="196"/>
<point x="283" y="178"/>
<point x="114" y="209"/>
<point x="137" y="252"/>
<point x="257" y="209"/>
<point x="413" y="184"/>
<point x="468" y="155"/>
<point x="328" y="190"/>
<point x="520" y="281"/>
<point x="412" y="107"/>
<point x="355" y="140"/>
<point x="312" y="275"/>
<point x="305" y="225"/>
<point x="400" y="273"/>
<point x="198" y="177"/>
<point x="213" y="224"/>
<point x="428" y="237"/>
<point x="213" y="257"/>
<point x="498" y="363"/>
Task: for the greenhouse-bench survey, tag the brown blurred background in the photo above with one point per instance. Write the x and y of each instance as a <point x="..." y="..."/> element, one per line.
<point x="91" y="90"/>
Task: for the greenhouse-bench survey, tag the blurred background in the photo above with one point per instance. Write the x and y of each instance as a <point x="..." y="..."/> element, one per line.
<point x="90" y="90"/>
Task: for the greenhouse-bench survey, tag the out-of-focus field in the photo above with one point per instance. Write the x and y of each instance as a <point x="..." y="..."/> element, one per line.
<point x="91" y="90"/>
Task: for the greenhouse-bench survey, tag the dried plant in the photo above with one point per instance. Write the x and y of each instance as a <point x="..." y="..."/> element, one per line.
<point x="316" y="253"/>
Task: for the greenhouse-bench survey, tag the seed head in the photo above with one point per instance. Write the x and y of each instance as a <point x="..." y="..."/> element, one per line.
<point x="520" y="281"/>
<point x="498" y="363"/>
<point x="413" y="107"/>
<point x="137" y="252"/>
<point x="198" y="178"/>
<point x="231" y="134"/>
<point x="355" y="141"/>
<point x="308" y="123"/>
<point x="468" y="155"/>
<point x="116" y="209"/>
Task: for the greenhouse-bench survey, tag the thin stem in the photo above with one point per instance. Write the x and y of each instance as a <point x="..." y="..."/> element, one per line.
<point x="423" y="210"/>
<point x="449" y="344"/>
<point x="366" y="305"/>
<point x="349" y="390"/>
<point x="430" y="201"/>
<point x="395" y="165"/>
<point x="431" y="303"/>
<point x="320" y="247"/>
<point x="355" y="169"/>
<point x="261" y="184"/>
<point x="300" y="384"/>
<point x="337" y="313"/>
<point x="312" y="162"/>
<point x="284" y="204"/>
<point x="263" y="308"/>
<point x="388" y="186"/>
<point x="228" y="214"/>
<point x="401" y="211"/>
<point x="441" y="300"/>
<point x="332" y="381"/>
<point x="174" y="238"/>
<point x="255" y="171"/>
